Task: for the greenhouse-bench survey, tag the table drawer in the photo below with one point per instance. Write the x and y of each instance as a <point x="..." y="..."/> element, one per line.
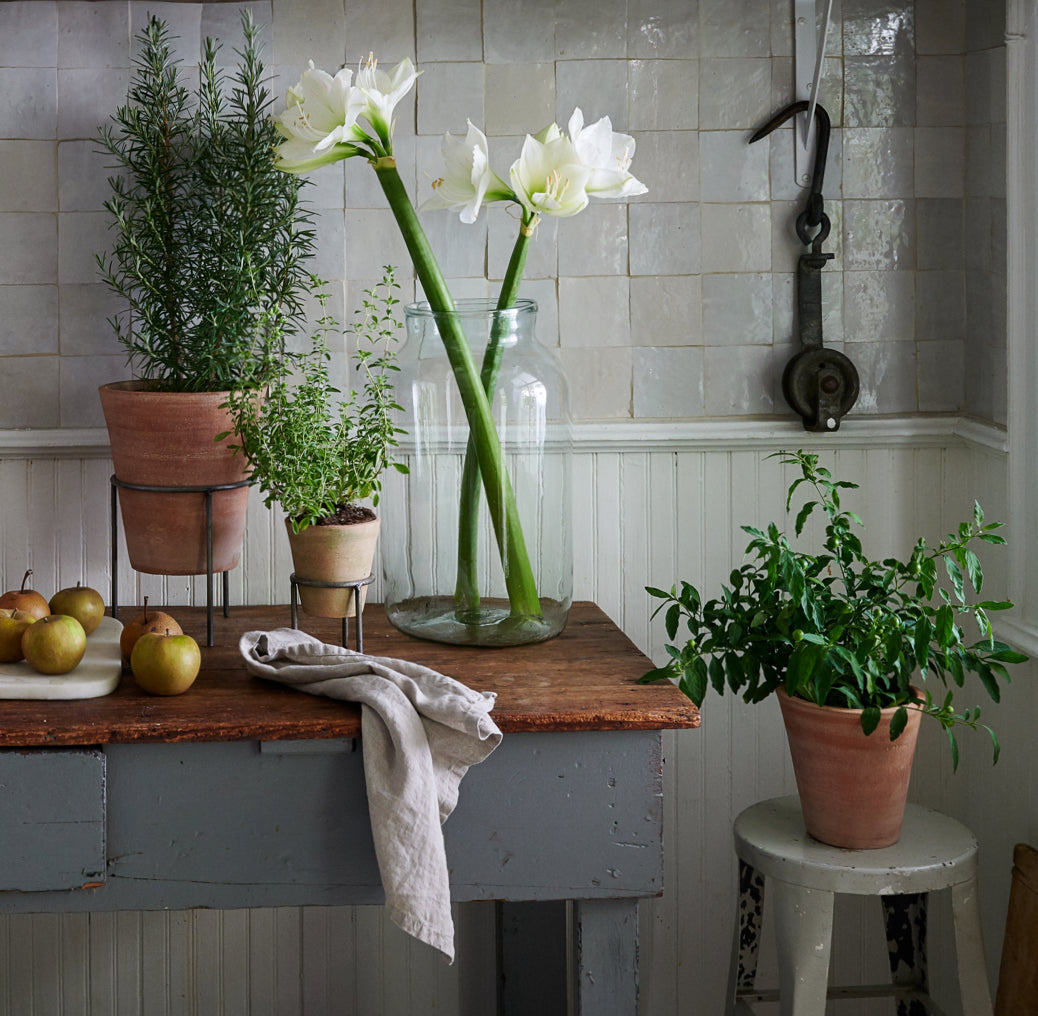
<point x="52" y="818"/>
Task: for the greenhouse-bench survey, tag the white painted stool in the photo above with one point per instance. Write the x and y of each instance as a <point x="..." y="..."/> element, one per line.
<point x="802" y="877"/>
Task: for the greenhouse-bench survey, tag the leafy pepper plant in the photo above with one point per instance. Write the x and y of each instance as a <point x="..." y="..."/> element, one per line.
<point x="838" y="628"/>
<point x="312" y="449"/>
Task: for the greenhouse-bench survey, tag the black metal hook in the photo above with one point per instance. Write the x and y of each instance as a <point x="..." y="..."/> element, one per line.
<point x="813" y="215"/>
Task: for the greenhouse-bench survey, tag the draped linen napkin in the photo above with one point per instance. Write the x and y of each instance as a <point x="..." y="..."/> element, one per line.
<point x="420" y="732"/>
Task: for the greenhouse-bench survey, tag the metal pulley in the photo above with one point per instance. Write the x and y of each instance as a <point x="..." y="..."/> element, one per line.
<point x="819" y="384"/>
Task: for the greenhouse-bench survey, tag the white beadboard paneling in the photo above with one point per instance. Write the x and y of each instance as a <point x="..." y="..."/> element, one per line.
<point x="648" y="512"/>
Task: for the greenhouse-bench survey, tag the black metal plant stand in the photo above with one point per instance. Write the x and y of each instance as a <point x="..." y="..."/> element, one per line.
<point x="208" y="490"/>
<point x="355" y="584"/>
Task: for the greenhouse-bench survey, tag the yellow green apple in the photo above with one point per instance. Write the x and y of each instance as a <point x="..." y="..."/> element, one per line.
<point x="28" y="600"/>
<point x="164" y="663"/>
<point x="54" y="644"/>
<point x="12" y="625"/>
<point x="82" y="603"/>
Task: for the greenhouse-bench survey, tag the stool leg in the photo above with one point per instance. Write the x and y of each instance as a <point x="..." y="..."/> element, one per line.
<point x="804" y="932"/>
<point x="969" y="950"/>
<point x="904" y="917"/>
<point x="742" y="973"/>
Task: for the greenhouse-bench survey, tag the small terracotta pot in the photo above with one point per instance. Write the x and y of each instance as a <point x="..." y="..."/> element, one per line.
<point x="332" y="554"/>
<point x="167" y="439"/>
<point x="853" y="787"/>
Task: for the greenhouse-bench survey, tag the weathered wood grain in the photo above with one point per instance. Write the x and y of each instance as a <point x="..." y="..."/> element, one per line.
<point x="586" y="679"/>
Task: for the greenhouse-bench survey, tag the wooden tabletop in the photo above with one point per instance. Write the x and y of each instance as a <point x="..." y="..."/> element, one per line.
<point x="585" y="679"/>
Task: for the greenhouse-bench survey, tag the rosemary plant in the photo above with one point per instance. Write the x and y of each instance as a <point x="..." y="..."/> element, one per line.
<point x="311" y="450"/>
<point x="839" y="628"/>
<point x="211" y="243"/>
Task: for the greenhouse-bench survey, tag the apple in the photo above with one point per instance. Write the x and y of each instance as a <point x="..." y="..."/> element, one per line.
<point x="164" y="663"/>
<point x="25" y="599"/>
<point x="54" y="644"/>
<point x="12" y="625"/>
<point x="155" y="621"/>
<point x="82" y="603"/>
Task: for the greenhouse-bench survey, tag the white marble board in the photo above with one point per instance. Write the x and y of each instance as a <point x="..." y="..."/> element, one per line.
<point x="97" y="674"/>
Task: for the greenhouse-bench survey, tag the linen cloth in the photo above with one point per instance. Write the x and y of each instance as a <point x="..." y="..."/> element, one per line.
<point x="420" y="731"/>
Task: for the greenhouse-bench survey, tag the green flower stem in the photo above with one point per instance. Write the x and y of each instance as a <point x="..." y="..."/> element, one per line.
<point x="467" y="589"/>
<point x="522" y="591"/>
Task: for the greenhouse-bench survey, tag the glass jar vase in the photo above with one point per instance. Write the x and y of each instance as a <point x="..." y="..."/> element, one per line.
<point x="457" y="569"/>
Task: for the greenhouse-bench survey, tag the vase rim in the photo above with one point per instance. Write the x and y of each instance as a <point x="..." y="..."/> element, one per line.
<point x="471" y="306"/>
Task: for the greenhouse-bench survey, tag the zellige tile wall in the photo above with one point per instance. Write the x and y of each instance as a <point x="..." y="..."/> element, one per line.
<point x="677" y="305"/>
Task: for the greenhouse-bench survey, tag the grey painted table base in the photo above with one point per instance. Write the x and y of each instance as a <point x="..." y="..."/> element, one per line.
<point x="564" y="829"/>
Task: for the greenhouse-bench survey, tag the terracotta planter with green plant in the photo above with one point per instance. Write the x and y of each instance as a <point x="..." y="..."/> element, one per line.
<point x="320" y="453"/>
<point x="209" y="255"/>
<point x="835" y="628"/>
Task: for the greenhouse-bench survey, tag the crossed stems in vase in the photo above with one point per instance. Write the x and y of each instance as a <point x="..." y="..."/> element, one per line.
<point x="483" y="456"/>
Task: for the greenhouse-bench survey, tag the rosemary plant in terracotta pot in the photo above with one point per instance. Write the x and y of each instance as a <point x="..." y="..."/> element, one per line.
<point x="320" y="453"/>
<point x="857" y="650"/>
<point x="208" y="253"/>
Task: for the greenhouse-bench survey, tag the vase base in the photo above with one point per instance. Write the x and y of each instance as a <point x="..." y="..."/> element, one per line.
<point x="439" y="619"/>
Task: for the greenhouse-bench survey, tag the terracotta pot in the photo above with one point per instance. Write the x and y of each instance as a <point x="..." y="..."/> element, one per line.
<point x="853" y="787"/>
<point x="332" y="554"/>
<point x="167" y="439"/>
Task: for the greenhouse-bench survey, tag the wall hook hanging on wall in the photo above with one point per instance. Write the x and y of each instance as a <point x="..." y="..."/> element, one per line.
<point x="818" y="383"/>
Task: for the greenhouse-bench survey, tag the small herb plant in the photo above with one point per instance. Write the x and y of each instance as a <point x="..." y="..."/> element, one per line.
<point x="211" y="244"/>
<point x="310" y="450"/>
<point x="837" y="628"/>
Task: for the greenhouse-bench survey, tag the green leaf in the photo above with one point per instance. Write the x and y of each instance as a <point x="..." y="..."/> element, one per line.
<point x="987" y="679"/>
<point x="694" y="681"/>
<point x="672" y="620"/>
<point x="1008" y="656"/>
<point x="892" y="648"/>
<point x="733" y="668"/>
<point x="803" y="515"/>
<point x="658" y="674"/>
<point x="944" y="625"/>
<point x="973" y="569"/>
<point x="870" y="718"/>
<point x="802" y="663"/>
<point x="955" y="574"/>
<point x="898" y="722"/>
<point x="716" y="670"/>
<point x="996" y="747"/>
<point x="653" y="591"/>
<point x="924" y="632"/>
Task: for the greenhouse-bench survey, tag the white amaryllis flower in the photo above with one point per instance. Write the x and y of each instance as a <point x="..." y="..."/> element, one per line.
<point x="467" y="181"/>
<point x="322" y="110"/>
<point x="607" y="154"/>
<point x="300" y="156"/>
<point x="548" y="177"/>
<point x="383" y="91"/>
